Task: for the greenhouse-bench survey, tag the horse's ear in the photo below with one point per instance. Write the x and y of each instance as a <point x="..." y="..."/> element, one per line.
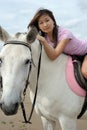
<point x="31" y="36"/>
<point x="4" y="36"/>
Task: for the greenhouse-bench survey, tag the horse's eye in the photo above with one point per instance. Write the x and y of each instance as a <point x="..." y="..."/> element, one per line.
<point x="27" y="61"/>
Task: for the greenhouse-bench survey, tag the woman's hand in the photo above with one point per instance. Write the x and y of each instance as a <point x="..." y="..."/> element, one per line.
<point x="41" y="38"/>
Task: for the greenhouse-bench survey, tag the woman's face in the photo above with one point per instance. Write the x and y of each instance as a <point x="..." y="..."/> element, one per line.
<point x="46" y="24"/>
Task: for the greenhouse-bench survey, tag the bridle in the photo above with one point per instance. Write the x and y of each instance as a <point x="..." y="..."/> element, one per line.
<point x="27" y="81"/>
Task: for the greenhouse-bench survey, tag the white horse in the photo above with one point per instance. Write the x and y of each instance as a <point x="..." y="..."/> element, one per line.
<point x="55" y="100"/>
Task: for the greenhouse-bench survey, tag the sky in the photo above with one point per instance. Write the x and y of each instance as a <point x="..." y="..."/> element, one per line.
<point x="16" y="14"/>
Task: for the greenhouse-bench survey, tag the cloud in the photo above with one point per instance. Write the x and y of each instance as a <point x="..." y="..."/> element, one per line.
<point x="82" y="4"/>
<point x="73" y="22"/>
<point x="7" y="16"/>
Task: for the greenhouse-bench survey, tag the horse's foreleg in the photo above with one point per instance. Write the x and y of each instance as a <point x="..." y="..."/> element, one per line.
<point x="48" y="124"/>
<point x="67" y="123"/>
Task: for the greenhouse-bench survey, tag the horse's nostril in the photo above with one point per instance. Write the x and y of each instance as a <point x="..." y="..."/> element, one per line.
<point x="0" y="104"/>
<point x="16" y="105"/>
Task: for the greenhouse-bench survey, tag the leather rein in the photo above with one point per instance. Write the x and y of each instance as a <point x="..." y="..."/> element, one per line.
<point x="27" y="81"/>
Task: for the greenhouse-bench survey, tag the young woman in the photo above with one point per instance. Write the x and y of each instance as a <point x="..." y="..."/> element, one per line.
<point x="56" y="39"/>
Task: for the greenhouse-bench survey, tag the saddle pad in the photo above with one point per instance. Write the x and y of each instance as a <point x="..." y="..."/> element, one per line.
<point x="71" y="79"/>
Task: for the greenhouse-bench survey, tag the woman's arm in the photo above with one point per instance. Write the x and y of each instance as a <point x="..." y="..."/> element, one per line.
<point x="51" y="52"/>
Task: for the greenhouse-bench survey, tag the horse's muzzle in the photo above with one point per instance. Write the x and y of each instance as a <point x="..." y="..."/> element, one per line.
<point x="9" y="110"/>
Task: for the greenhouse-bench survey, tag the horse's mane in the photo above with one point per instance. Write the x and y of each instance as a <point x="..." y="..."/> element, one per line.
<point x="17" y="35"/>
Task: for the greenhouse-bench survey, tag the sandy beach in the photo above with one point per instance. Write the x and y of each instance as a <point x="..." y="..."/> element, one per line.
<point x="16" y="122"/>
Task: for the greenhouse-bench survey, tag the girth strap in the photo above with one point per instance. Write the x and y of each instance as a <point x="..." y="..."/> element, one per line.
<point x="84" y="108"/>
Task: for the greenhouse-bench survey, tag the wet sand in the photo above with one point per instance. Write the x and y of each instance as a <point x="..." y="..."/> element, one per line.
<point x="16" y="122"/>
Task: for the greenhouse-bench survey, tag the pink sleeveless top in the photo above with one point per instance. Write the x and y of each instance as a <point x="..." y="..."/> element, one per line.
<point x="75" y="46"/>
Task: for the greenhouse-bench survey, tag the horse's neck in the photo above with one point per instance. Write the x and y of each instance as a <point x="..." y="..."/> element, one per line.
<point x="48" y="68"/>
<point x="36" y="50"/>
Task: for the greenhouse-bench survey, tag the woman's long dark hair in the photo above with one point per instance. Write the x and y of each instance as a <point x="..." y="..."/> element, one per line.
<point x="34" y="22"/>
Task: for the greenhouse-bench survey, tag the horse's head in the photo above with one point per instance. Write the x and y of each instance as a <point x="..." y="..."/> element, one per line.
<point x="15" y="60"/>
